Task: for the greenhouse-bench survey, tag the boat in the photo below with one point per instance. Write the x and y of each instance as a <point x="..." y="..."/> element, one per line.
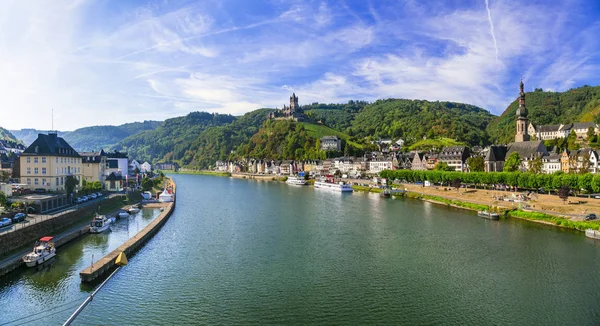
<point x="489" y="215"/>
<point x="162" y="209"/>
<point x="123" y="214"/>
<point x="329" y="184"/>
<point x="591" y="233"/>
<point x="133" y="210"/>
<point x="43" y="250"/>
<point x="386" y="192"/>
<point x="295" y="180"/>
<point x="101" y="223"/>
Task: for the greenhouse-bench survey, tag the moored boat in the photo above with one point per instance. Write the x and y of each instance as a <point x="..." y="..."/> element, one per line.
<point x="296" y="180"/>
<point x="489" y="215"/>
<point x="123" y="214"/>
<point x="101" y="223"/>
<point x="133" y="210"/>
<point x="329" y="184"/>
<point x="594" y="234"/>
<point x="43" y="250"/>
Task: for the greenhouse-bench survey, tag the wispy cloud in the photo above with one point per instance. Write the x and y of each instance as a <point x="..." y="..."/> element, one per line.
<point x="168" y="58"/>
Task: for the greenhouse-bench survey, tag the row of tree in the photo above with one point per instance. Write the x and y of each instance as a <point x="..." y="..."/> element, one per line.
<point x="589" y="183"/>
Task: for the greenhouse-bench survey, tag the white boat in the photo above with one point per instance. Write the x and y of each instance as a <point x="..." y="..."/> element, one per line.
<point x="489" y="215"/>
<point x="101" y="223"/>
<point x="297" y="181"/>
<point x="43" y="250"/>
<point x="123" y="214"/>
<point x="340" y="186"/>
<point x="133" y="210"/>
<point x="594" y="234"/>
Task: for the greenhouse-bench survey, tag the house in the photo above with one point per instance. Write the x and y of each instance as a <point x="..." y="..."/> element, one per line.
<point x="133" y="166"/>
<point x="494" y="157"/>
<point x="431" y="162"/>
<point x="47" y="163"/>
<point x="285" y="167"/>
<point x="114" y="182"/>
<point x="528" y="151"/>
<point x="376" y="166"/>
<point x="331" y="143"/>
<point x="419" y="162"/>
<point x="581" y="129"/>
<point x="455" y="156"/>
<point x="221" y="166"/>
<point x="93" y="166"/>
<point x="146" y="167"/>
<point x="552" y="162"/>
<point x="117" y="162"/>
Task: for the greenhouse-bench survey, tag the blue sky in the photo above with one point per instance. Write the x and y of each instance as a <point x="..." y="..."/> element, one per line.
<point x="115" y="61"/>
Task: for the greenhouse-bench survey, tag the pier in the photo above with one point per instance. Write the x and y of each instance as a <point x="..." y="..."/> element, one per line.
<point x="107" y="263"/>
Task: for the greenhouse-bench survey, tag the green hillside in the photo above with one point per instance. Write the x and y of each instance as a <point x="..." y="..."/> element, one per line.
<point x="413" y="119"/>
<point x="8" y="138"/>
<point x="172" y="138"/>
<point x="318" y="131"/>
<point x="576" y="105"/>
<point x="437" y="143"/>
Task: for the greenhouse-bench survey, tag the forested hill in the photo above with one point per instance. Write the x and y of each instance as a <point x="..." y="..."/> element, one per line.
<point x="172" y="136"/>
<point x="412" y="120"/>
<point x="576" y="105"/>
<point x="91" y="138"/>
<point x="8" y="138"/>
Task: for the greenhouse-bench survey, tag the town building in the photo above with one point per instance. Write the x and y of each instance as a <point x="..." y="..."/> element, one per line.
<point x="292" y="112"/>
<point x="455" y="156"/>
<point x="114" y="182"/>
<point x="377" y="166"/>
<point x="551" y="163"/>
<point x="117" y="163"/>
<point x="146" y="167"/>
<point x="522" y="122"/>
<point x="419" y="162"/>
<point x="93" y="166"/>
<point x="331" y="143"/>
<point x="493" y="161"/>
<point x="47" y="163"/>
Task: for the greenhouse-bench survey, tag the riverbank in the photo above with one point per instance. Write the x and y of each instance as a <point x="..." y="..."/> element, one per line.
<point x="201" y="172"/>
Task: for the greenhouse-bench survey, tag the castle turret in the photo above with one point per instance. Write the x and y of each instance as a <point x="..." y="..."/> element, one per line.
<point x="294" y="103"/>
<point x="522" y="122"/>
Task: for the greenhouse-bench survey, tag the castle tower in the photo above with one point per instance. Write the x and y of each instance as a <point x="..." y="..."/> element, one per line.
<point x="522" y="124"/>
<point x="294" y="103"/>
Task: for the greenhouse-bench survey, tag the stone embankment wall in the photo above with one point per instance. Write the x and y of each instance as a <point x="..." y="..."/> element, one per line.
<point x="268" y="177"/>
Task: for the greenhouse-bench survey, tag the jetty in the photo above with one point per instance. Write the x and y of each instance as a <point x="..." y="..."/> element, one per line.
<point x="107" y="264"/>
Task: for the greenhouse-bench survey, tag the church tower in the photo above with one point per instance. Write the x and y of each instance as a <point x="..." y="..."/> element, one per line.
<point x="294" y="103"/>
<point x="522" y="124"/>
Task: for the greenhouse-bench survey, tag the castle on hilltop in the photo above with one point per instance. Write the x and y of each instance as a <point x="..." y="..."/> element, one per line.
<point x="292" y="112"/>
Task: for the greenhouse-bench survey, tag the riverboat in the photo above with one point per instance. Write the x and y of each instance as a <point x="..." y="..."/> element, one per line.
<point x="43" y="250"/>
<point x="133" y="210"/>
<point x="489" y="215"/>
<point x="296" y="181"/>
<point x="329" y="184"/>
<point x="123" y="214"/>
<point x="101" y="223"/>
<point x="594" y="234"/>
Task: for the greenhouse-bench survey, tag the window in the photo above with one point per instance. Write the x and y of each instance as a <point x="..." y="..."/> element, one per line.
<point x="28" y="181"/>
<point x="35" y="160"/>
<point x="35" y="181"/>
<point x="57" y="160"/>
<point x="28" y="170"/>
<point x="43" y="160"/>
<point x="29" y="160"/>
<point x="36" y="171"/>
<point x="56" y="170"/>
<point x="43" y="170"/>
<point x="57" y="181"/>
<point x="61" y="160"/>
<point x="43" y="182"/>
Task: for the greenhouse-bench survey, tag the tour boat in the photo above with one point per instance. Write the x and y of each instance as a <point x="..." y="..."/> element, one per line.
<point x="123" y="214"/>
<point x="43" y="250"/>
<point x="294" y="180"/>
<point x="329" y="184"/>
<point x="489" y="215"/>
<point x="594" y="234"/>
<point x="133" y="210"/>
<point x="101" y="223"/>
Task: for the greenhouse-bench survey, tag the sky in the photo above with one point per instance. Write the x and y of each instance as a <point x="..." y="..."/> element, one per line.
<point x="97" y="62"/>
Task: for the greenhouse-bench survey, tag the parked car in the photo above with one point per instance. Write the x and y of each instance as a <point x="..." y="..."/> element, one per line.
<point x="39" y="190"/>
<point x="30" y="210"/>
<point x="84" y="198"/>
<point x="19" y="217"/>
<point x="99" y="194"/>
<point x="94" y="196"/>
<point x="590" y="217"/>
<point x="5" y="221"/>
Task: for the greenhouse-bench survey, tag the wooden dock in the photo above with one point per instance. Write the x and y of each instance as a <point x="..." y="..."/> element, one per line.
<point x="107" y="263"/>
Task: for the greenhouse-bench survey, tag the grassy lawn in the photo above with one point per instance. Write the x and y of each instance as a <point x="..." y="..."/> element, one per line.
<point x="319" y="131"/>
<point x="577" y="225"/>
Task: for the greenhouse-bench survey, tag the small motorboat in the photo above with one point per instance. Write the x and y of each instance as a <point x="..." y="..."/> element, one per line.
<point x="43" y="250"/>
<point x="489" y="215"/>
<point x="162" y="209"/>
<point x="123" y="214"/>
<point x="133" y="210"/>
<point x="591" y="233"/>
<point x="101" y="223"/>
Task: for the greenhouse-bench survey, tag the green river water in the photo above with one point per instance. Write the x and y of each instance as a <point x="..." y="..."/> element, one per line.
<point x="254" y="253"/>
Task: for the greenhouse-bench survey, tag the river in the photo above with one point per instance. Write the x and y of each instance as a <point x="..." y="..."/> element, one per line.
<point x="249" y="252"/>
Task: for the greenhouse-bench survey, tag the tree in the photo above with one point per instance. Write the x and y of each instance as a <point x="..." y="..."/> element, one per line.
<point x="476" y="164"/>
<point x="590" y="134"/>
<point x="535" y="165"/>
<point x="563" y="193"/>
<point x="147" y="184"/>
<point x="512" y="163"/>
<point x="572" y="141"/>
<point x="70" y="184"/>
<point x="443" y="166"/>
<point x="585" y="163"/>
<point x="456" y="184"/>
<point x="3" y="201"/>
<point x="4" y="176"/>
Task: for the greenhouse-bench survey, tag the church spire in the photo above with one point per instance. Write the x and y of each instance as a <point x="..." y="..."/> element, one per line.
<point x="522" y="133"/>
